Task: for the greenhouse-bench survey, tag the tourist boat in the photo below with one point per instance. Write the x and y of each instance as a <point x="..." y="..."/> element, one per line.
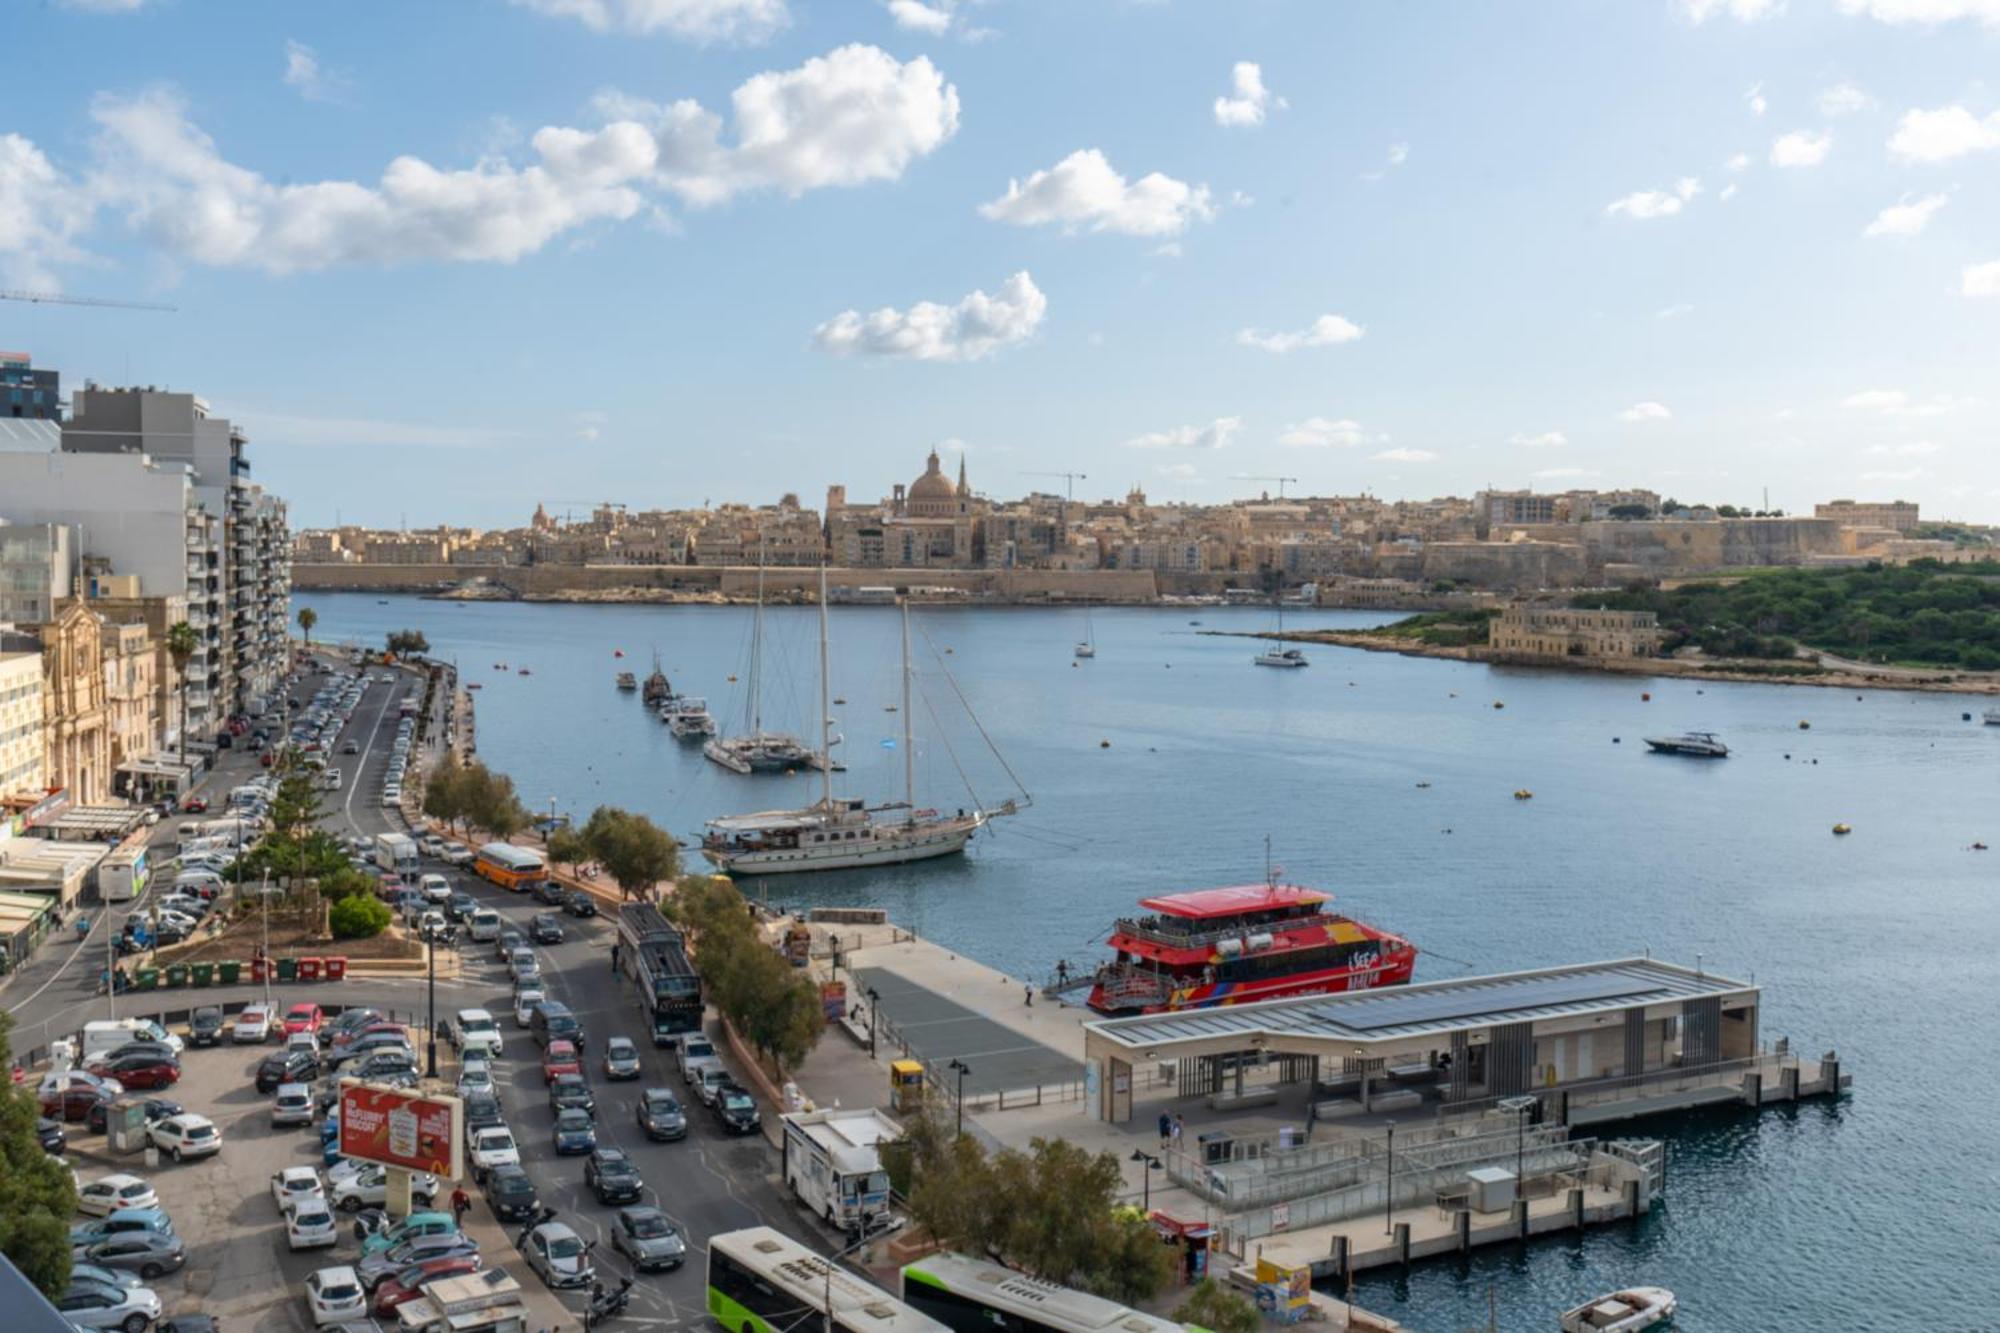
<point x="687" y="717"/>
<point x="627" y="681"/>
<point x="658" y="688"/>
<point x="1625" y="1311"/>
<point x="1241" y="944"/>
<point x="1696" y="744"/>
<point x="841" y="833"/>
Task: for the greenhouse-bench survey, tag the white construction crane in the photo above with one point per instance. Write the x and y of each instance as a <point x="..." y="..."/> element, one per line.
<point x="57" y="298"/>
<point x="1239" y="476"/>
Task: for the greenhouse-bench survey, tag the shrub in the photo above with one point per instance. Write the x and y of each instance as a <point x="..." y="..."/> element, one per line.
<point x="357" y="917"/>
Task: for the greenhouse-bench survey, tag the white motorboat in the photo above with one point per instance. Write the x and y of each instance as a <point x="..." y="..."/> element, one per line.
<point x="1992" y="716"/>
<point x="1625" y="1311"/>
<point x="843" y="833"/>
<point x="688" y="717"/>
<point x="1694" y="744"/>
<point x="1281" y="657"/>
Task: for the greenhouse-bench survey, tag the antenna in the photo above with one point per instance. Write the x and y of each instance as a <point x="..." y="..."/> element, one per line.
<point x="57" y="298"/>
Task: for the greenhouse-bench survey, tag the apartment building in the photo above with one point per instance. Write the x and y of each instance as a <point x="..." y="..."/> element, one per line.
<point x="1898" y="514"/>
<point x="23" y="768"/>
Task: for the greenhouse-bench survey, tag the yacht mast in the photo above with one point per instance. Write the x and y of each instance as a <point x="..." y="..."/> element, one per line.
<point x="909" y="747"/>
<point x="825" y="708"/>
<point x="757" y="651"/>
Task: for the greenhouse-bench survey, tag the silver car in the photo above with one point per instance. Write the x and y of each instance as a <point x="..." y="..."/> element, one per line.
<point x="100" y="1305"/>
<point x="560" y="1256"/>
<point x="147" y="1253"/>
<point x="643" y="1234"/>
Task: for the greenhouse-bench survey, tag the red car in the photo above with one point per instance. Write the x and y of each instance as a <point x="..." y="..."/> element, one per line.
<point x="195" y="805"/>
<point x="302" y="1018"/>
<point x="143" y="1072"/>
<point x="73" y="1103"/>
<point x="560" y="1059"/>
<point x="407" y="1283"/>
<point x="267" y="759"/>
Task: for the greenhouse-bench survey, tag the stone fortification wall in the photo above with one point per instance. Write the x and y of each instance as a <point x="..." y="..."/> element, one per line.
<point x="1667" y="546"/>
<point x="1127" y="585"/>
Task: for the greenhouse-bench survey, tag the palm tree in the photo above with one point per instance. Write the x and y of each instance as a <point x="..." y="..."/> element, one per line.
<point x="181" y="645"/>
<point x="307" y="619"/>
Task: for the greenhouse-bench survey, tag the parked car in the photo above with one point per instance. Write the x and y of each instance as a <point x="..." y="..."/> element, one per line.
<point x="643" y="1234"/>
<point x="118" y="1223"/>
<point x="482" y="1111"/>
<point x="144" y="1072"/>
<point x="612" y="1176"/>
<point x="156" y="1108"/>
<point x="100" y="1305"/>
<point x="107" y="1194"/>
<point x="574" y="1133"/>
<point x="253" y="1024"/>
<point x="295" y="1182"/>
<point x="407" y="1283"/>
<point x="184" y="1136"/>
<point x="379" y="1065"/>
<point x="205" y="1026"/>
<point x="51" y="1134"/>
<point x="369" y="1188"/>
<point x="545" y="928"/>
<point x="736" y="1110"/>
<point x="385" y="1235"/>
<point x="310" y="1224"/>
<point x="334" y="1296"/>
<point x="559" y="1255"/>
<point x="621" y="1059"/>
<point x="150" y="1254"/>
<point x="571" y="1092"/>
<point x="660" y="1115"/>
<point x="81" y="1270"/>
<point x="491" y="1148"/>
<point x="303" y="1018"/>
<point x="379" y="1268"/>
<point x="511" y="1194"/>
<point x="292" y="1106"/>
<point x="281" y="1067"/>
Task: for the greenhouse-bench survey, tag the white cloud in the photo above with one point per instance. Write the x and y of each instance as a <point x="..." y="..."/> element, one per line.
<point x="1738" y="162"/>
<point x="1876" y="400"/>
<point x="590" y="425"/>
<point x="1674" y="311"/>
<point x="1404" y="456"/>
<point x="1648" y="411"/>
<point x="1548" y="439"/>
<point x="1980" y="279"/>
<point x="1215" y="435"/>
<point x="1251" y="100"/>
<point x="42" y="212"/>
<point x="851" y="116"/>
<point x="314" y="432"/>
<point x="1399" y="153"/>
<point x="934" y="17"/>
<point x="1906" y="218"/>
<point x="1642" y="205"/>
<point x="1756" y="100"/>
<point x="1906" y="474"/>
<point x="1178" y="471"/>
<point x="1556" y="473"/>
<point x="1326" y="331"/>
<point x="1926" y="12"/>
<point x="1323" y="433"/>
<point x="177" y="189"/>
<point x="1896" y="403"/>
<point x="304" y="72"/>
<point x="104" y="6"/>
<point x="1943" y="134"/>
<point x="1743" y="11"/>
<point x="1914" y="449"/>
<point x="1083" y="191"/>
<point x="1843" y="99"/>
<point x="1728" y="193"/>
<point x="694" y="20"/>
<point x="1801" y="148"/>
<point x="977" y="326"/>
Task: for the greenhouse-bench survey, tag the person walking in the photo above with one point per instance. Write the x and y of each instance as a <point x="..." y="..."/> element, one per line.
<point x="1166" y="1128"/>
<point x="1028" y="996"/>
<point x="461" y="1204"/>
<point x="614" y="958"/>
<point x="1179" y="1125"/>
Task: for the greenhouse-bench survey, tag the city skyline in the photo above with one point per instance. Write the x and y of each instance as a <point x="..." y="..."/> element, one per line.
<point x="665" y="253"/>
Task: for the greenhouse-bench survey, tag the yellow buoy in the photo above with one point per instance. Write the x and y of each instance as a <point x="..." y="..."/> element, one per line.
<point x="1842" y="828"/>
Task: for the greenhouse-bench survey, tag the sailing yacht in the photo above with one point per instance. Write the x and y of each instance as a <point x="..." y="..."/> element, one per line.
<point x="1087" y="646"/>
<point x="1277" y="655"/>
<point x="762" y="751"/>
<point x="840" y="833"/>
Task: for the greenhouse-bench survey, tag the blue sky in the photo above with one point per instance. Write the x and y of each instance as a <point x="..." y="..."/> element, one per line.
<point x="445" y="260"/>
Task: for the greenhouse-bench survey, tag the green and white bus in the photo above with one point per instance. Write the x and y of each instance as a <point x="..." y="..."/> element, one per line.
<point x="972" y="1296"/>
<point x="762" y="1281"/>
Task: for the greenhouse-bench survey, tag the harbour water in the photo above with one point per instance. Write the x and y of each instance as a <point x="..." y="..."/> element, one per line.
<point x="1880" y="1211"/>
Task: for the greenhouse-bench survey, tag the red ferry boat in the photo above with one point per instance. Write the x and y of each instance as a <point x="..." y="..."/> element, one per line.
<point x="1240" y="944"/>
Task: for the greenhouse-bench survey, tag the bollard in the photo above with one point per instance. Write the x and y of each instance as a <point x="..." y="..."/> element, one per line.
<point x="1753" y="1089"/>
<point x="1402" y="1246"/>
<point x="1521" y="1218"/>
<point x="1338" y="1249"/>
<point x="1788" y="1083"/>
<point x="1462" y="1224"/>
<point x="1576" y="1209"/>
<point x="1632" y="1188"/>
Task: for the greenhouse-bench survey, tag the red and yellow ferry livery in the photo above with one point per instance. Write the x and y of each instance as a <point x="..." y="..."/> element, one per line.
<point x="1240" y="944"/>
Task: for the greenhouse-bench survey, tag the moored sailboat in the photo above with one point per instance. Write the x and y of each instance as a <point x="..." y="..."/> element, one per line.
<point x="758" y="750"/>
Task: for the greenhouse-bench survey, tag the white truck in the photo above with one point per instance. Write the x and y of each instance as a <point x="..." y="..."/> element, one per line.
<point x="397" y="853"/>
<point x="831" y="1161"/>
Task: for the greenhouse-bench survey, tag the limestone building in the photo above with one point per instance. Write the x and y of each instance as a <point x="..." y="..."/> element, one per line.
<point x="1550" y="632"/>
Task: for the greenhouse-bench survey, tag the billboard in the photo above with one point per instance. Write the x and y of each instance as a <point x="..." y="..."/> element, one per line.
<point x="396" y="1127"/>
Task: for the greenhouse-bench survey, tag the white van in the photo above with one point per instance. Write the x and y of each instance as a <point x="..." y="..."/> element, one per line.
<point x="331" y="781"/>
<point x="483" y="925"/>
<point x="108" y="1034"/>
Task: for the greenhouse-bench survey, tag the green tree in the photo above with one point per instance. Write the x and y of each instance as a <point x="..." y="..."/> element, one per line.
<point x="308" y="618"/>
<point x="635" y="851"/>
<point x="404" y="642"/>
<point x="358" y="917"/>
<point x="444" y="792"/>
<point x="1213" y="1306"/>
<point x="567" y="846"/>
<point x="37" y="1197"/>
<point x="491" y="803"/>
<point x="181" y="645"/>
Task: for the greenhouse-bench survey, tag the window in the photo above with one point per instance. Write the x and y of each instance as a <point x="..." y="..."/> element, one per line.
<point x="776" y="1308"/>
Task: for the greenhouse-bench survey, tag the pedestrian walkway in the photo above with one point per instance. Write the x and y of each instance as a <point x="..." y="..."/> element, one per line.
<point x="938" y="1030"/>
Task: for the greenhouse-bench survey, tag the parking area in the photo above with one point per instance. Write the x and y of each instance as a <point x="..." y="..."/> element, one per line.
<point x="941" y="1030"/>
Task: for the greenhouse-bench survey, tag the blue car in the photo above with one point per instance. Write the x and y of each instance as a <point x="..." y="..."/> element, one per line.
<point x="120" y="1221"/>
<point x="575" y="1134"/>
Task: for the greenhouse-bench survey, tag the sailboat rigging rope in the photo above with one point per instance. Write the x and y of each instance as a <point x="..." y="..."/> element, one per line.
<point x="937" y="726"/>
<point x="966" y="704"/>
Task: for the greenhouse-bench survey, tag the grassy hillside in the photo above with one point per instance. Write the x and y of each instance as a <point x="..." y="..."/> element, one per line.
<point x="1938" y="615"/>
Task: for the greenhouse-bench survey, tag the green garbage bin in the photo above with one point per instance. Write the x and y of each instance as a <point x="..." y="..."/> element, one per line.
<point x="230" y="972"/>
<point x="288" y="969"/>
<point x="202" y="974"/>
<point x="146" y="978"/>
<point x="177" y="974"/>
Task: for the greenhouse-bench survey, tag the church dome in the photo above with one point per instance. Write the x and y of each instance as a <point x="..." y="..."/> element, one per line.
<point x="933" y="485"/>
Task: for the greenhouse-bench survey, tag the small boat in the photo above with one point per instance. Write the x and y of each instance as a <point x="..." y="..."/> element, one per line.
<point x="1498" y="704"/>
<point x="1804" y="725"/>
<point x="1842" y="830"/>
<point x="688" y="717"/>
<point x="657" y="689"/>
<point x="1695" y="744"/>
<point x="474" y="685"/>
<point x="1523" y="794"/>
<point x="524" y="672"/>
<point x="1991" y="717"/>
<point x="1281" y="657"/>
<point x="618" y="652"/>
<point x="1084" y="650"/>
<point x="1625" y="1311"/>
<point x="499" y="666"/>
<point x="841" y="702"/>
<point x="627" y="681"/>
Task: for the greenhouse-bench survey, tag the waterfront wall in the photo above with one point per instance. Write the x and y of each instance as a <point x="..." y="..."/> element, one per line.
<point x="557" y="581"/>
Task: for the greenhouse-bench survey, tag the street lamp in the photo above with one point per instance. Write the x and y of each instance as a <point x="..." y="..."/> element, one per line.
<point x="1152" y="1165"/>
<point x="874" y="999"/>
<point x="1389" y="1187"/>
<point x="961" y="1069"/>
<point x="431" y="1028"/>
<point x="1518" y="1107"/>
